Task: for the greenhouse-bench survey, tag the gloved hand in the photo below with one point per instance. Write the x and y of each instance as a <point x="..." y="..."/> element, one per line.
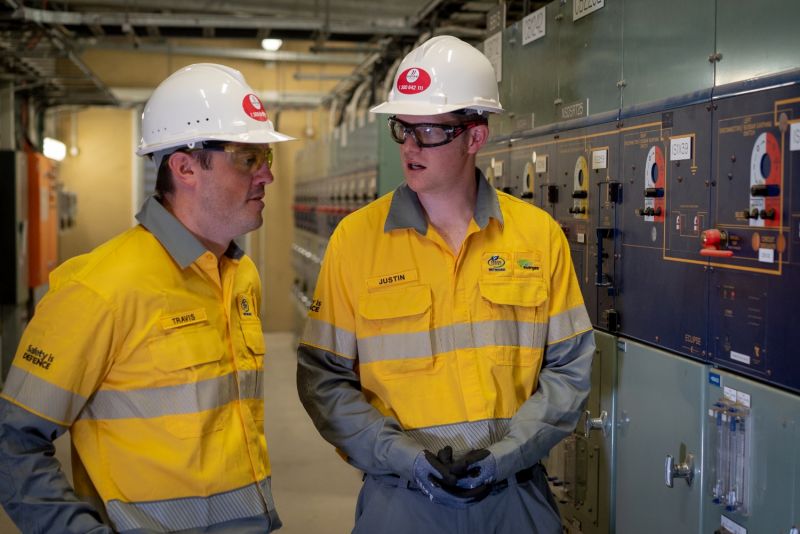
<point x="433" y="476"/>
<point x="475" y="469"/>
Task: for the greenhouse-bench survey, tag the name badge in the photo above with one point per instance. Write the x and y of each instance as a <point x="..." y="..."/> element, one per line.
<point x="184" y="318"/>
<point x="393" y="279"/>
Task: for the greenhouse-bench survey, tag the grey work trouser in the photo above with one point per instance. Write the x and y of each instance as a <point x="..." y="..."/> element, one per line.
<point x="387" y="505"/>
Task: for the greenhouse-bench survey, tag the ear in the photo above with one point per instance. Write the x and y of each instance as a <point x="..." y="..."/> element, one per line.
<point x="478" y="135"/>
<point x="184" y="169"/>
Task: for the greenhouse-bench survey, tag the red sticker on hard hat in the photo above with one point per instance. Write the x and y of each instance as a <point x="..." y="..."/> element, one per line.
<point x="254" y="108"/>
<point x="412" y="81"/>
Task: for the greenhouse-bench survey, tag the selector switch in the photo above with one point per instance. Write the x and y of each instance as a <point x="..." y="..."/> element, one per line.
<point x="552" y="194"/>
<point x="654" y="192"/>
<point x="748" y="214"/>
<point x="767" y="215"/>
<point x="579" y="194"/>
<point x="614" y="192"/>
<point x="649" y="212"/>
<point x="765" y="190"/>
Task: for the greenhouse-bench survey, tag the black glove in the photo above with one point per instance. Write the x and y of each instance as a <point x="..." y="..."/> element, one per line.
<point x="461" y="473"/>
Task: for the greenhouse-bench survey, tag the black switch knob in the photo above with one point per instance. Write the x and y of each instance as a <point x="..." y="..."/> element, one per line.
<point x="579" y="194"/>
<point x="612" y="318"/>
<point x="552" y="194"/>
<point x="765" y="190"/>
<point x="614" y="189"/>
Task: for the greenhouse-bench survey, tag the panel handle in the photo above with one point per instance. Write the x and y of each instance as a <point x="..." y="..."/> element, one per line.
<point x="684" y="470"/>
<point x="595" y="423"/>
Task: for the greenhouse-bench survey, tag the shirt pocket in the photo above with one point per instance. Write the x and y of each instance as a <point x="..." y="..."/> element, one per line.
<point x="394" y="331"/>
<point x="252" y="369"/>
<point x="189" y="359"/>
<point x="254" y="337"/>
<point x="518" y="313"/>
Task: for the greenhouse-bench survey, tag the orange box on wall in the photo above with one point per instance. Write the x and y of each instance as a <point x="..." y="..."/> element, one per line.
<point x="42" y="217"/>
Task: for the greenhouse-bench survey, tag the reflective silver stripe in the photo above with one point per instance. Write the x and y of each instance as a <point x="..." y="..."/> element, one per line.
<point x="461" y="436"/>
<point x="43" y="397"/>
<point x="569" y="349"/>
<point x="328" y="337"/>
<point x="170" y="400"/>
<point x="395" y="346"/>
<point x="449" y="338"/>
<point x="251" y="384"/>
<point x="192" y="512"/>
<point x="568" y="323"/>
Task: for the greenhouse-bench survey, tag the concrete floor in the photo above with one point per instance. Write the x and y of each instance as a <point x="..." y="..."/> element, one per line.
<point x="315" y="490"/>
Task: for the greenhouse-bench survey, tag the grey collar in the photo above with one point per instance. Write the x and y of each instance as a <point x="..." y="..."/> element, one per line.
<point x="407" y="212"/>
<point x="184" y="247"/>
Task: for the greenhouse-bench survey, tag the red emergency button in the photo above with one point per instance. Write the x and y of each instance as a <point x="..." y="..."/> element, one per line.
<point x="713" y="241"/>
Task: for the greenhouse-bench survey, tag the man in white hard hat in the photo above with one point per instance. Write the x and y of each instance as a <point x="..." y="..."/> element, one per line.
<point x="149" y="349"/>
<point x="448" y="348"/>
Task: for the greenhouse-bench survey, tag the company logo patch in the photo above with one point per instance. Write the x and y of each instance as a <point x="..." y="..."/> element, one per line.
<point x="39" y="357"/>
<point x="254" y="108"/>
<point x="527" y="265"/>
<point x="244" y="304"/>
<point x="496" y="263"/>
<point x="412" y="81"/>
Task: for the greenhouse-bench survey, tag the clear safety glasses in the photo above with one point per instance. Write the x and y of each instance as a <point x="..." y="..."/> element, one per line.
<point x="245" y="157"/>
<point x="426" y="134"/>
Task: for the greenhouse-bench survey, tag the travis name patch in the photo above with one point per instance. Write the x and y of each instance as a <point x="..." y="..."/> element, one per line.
<point x="179" y="319"/>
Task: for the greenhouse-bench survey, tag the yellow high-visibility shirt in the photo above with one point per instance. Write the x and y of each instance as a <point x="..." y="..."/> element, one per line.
<point x="449" y="346"/>
<point x="151" y="352"/>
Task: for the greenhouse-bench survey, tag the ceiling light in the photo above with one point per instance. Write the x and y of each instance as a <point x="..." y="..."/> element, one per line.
<point x="271" y="45"/>
<point x="54" y="149"/>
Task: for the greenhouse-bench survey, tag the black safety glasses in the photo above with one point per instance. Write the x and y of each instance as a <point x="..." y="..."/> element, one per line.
<point x="427" y="135"/>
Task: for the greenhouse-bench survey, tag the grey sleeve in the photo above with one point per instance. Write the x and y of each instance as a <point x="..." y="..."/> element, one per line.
<point x="33" y="489"/>
<point x="552" y="412"/>
<point x="330" y="391"/>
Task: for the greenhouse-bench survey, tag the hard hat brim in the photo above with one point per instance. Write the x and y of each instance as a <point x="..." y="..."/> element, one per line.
<point x="261" y="137"/>
<point x="426" y="108"/>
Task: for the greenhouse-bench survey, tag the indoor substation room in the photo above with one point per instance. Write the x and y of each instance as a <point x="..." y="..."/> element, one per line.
<point x="419" y="267"/>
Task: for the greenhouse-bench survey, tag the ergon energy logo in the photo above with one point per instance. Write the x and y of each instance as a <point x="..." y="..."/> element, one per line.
<point x="581" y="8"/>
<point x="412" y="81"/>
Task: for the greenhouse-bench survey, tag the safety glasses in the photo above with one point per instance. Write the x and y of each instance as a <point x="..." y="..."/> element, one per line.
<point x="245" y="157"/>
<point x="426" y="134"/>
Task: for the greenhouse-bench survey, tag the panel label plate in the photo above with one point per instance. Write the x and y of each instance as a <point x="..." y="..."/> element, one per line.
<point x="581" y="8"/>
<point x="680" y="148"/>
<point x="533" y="26"/>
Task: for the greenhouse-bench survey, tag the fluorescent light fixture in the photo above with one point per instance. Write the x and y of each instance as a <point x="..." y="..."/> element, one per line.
<point x="271" y="45"/>
<point x="54" y="149"/>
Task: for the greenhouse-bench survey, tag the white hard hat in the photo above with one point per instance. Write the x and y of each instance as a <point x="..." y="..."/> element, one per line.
<point x="204" y="102"/>
<point x="441" y="75"/>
